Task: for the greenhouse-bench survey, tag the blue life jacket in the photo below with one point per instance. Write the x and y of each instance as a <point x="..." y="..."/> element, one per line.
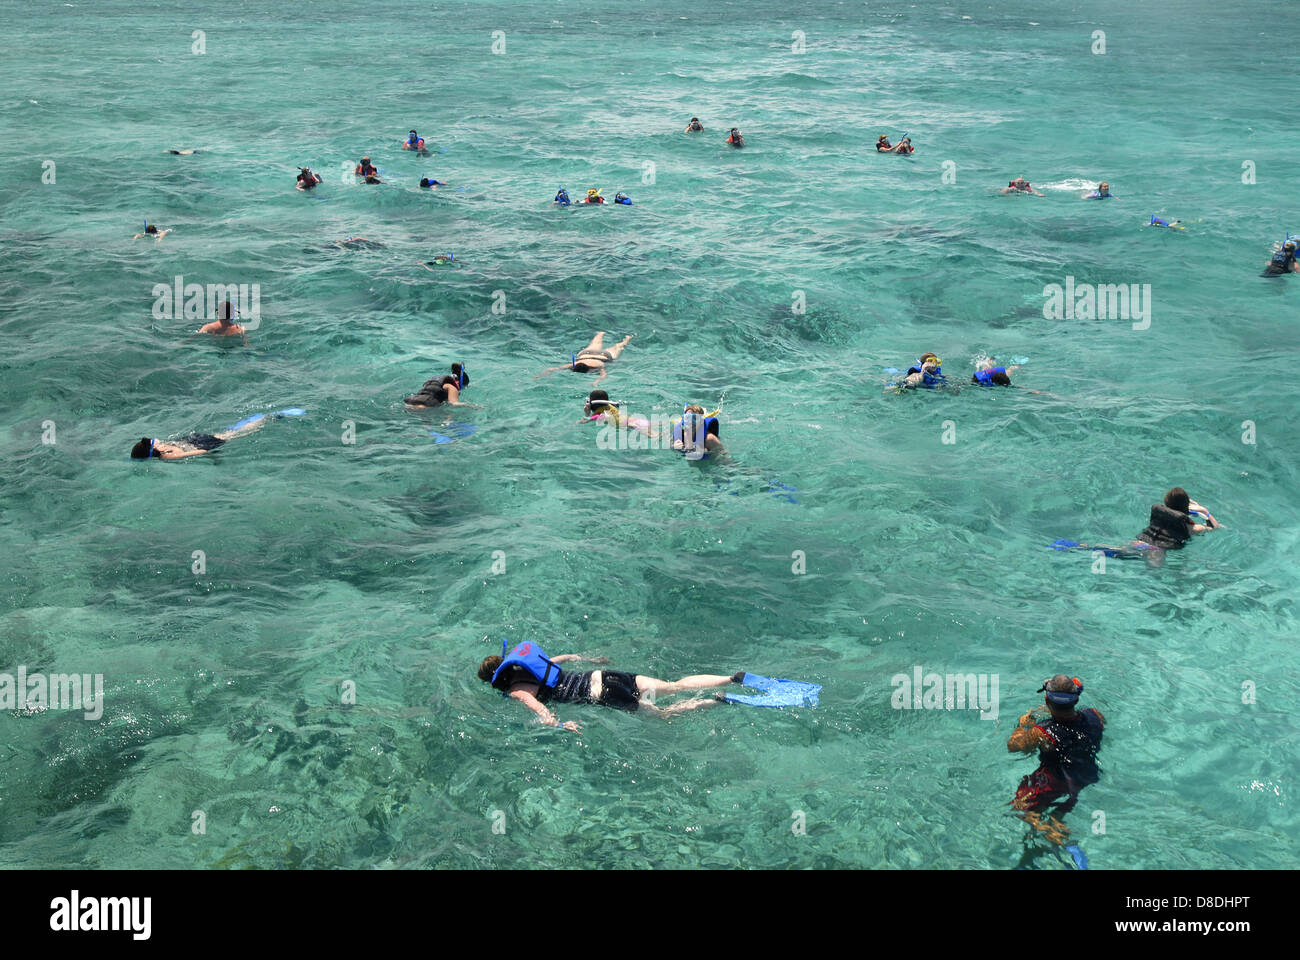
<point x="562" y="198"/>
<point x="986" y="376"/>
<point x="532" y="658"/>
<point x="930" y="380"/>
<point x="694" y="439"/>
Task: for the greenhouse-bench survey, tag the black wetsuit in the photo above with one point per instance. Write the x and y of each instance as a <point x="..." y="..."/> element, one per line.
<point x="618" y="690"/>
<point x="1168" y="528"/>
<point x="202" y="441"/>
<point x="1282" y="262"/>
<point x="1065" y="767"/>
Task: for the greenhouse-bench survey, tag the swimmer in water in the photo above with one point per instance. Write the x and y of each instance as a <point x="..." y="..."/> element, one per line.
<point x="904" y="147"/>
<point x="1101" y="193"/>
<point x="1020" y="185"/>
<point x="927" y="373"/>
<point x="308" y="180"/>
<point x="365" y="168"/>
<point x="883" y="145"/>
<point x="441" y="260"/>
<point x="593" y="357"/>
<point x="442" y="390"/>
<point x="224" y="325"/>
<point x="414" y="142"/>
<point x="1172" y="524"/>
<point x="1284" y="261"/>
<point x="735" y="138"/>
<point x="151" y="231"/>
<point x="598" y="408"/>
<point x="687" y="432"/>
<point x="990" y="375"/>
<point x="181" y="153"/>
<point x="1067" y="742"/>
<point x="593" y="196"/>
<point x="695" y="126"/>
<point x="430" y="184"/>
<point x="562" y="197"/>
<point x="526" y="674"/>
<point x="191" y="445"/>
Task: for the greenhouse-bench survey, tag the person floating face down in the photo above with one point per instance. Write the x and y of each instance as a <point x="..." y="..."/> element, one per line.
<point x="1020" y="185"/>
<point x="526" y="674"/>
<point x="440" y="390"/>
<point x="695" y="126"/>
<point x="598" y="408"/>
<point x="307" y="180"/>
<point x="593" y="358"/>
<point x="193" y="444"/>
<point x="735" y="138"/>
<point x="151" y="231"/>
<point x="989" y="375"/>
<point x="1284" y="261"/>
<point x="1067" y="741"/>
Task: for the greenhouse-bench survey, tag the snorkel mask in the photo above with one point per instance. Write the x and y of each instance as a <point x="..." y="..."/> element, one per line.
<point x="1063" y="698"/>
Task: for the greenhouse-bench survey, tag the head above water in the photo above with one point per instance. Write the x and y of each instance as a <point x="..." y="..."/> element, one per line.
<point x="462" y="378"/>
<point x="1289" y="246"/>
<point x="1177" y="499"/>
<point x="1062" y="693"/>
<point x="930" y="359"/>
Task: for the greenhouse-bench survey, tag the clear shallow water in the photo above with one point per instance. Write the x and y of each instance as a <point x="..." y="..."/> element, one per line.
<point x="371" y="562"/>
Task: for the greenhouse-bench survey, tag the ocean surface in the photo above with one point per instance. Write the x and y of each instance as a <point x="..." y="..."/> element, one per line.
<point x="347" y="556"/>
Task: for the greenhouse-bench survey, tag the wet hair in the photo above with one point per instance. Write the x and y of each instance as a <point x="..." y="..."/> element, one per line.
<point x="599" y="400"/>
<point x="580" y="367"/>
<point x="927" y="357"/>
<point x="488" y="667"/>
<point x="461" y="377"/>
<point x="151" y="229"/>
<point x="141" y="450"/>
<point x="1177" y="499"/>
<point x="1001" y="379"/>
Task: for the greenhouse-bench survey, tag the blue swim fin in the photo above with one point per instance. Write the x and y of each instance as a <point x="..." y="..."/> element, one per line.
<point x="776" y="692"/>
<point x="255" y="418"/>
<point x="1080" y="859"/>
<point x="455" y="431"/>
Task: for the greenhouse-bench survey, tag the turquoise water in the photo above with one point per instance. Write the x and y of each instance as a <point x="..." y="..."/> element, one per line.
<point x="372" y="562"/>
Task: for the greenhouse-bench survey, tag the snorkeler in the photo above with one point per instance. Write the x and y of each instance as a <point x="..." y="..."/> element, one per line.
<point x="904" y="147"/>
<point x="593" y="196"/>
<point x="623" y="199"/>
<point x="430" y="183"/>
<point x="414" y="142"/>
<point x="442" y="390"/>
<point x="1101" y="193"/>
<point x="196" y="444"/>
<point x="151" y="231"/>
<point x="695" y="126"/>
<point x="308" y="180"/>
<point x="695" y="435"/>
<point x="526" y="674"/>
<point x="735" y="138"/>
<point x="990" y="376"/>
<point x="365" y="168"/>
<point x="181" y="153"/>
<point x="927" y="372"/>
<point x="224" y="325"/>
<point x="883" y="145"/>
<point x="1283" y="261"/>
<point x="598" y="408"/>
<point x="441" y="260"/>
<point x="1172" y="524"/>
<point x="1067" y="741"/>
<point x="562" y="197"/>
<point x="593" y="357"/>
<point x="1020" y="185"/>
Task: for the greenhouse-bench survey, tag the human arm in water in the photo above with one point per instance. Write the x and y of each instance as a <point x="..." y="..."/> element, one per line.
<point x="539" y="708"/>
<point x="1026" y="738"/>
<point x="453" y="398"/>
<point x="573" y="657"/>
<point x="1206" y="527"/>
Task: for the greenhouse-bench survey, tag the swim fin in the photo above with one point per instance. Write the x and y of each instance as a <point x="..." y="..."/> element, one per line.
<point x="776" y="692"/>
<point x="248" y="421"/>
<point x="455" y="431"/>
<point x="1080" y="859"/>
